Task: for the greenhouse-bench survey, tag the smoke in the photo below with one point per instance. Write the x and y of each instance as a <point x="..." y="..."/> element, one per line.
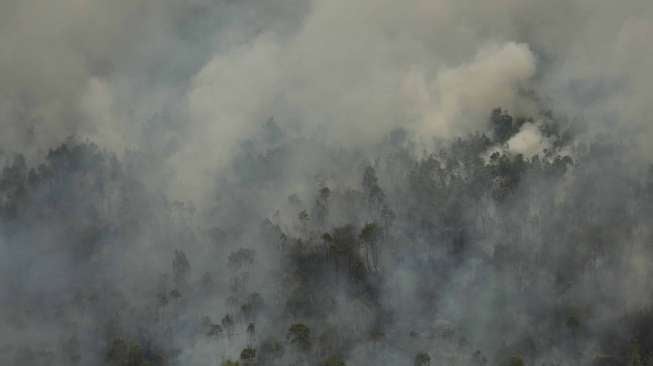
<point x="464" y="94"/>
<point x="176" y="171"/>
<point x="189" y="82"/>
<point x="528" y="141"/>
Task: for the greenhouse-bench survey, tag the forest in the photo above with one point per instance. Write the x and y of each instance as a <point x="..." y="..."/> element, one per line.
<point x="326" y="183"/>
<point x="470" y="254"/>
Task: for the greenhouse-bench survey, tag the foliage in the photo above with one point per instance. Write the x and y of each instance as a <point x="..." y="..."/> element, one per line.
<point x="241" y="257"/>
<point x="516" y="361"/>
<point x="299" y="335"/>
<point x="248" y="354"/>
<point x="422" y="359"/>
<point x="123" y="352"/>
<point x="370" y="248"/>
<point x="334" y="361"/>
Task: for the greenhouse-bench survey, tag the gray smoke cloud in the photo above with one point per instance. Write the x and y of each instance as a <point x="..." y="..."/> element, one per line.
<point x="199" y="75"/>
<point x="174" y="169"/>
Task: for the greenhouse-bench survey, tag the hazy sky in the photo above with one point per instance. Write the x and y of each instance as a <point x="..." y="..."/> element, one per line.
<point x="187" y="80"/>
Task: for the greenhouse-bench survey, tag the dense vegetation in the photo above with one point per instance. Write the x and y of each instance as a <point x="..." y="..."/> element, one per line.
<point x="460" y="253"/>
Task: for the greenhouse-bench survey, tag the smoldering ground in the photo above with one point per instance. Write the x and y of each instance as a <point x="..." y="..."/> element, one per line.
<point x="325" y="182"/>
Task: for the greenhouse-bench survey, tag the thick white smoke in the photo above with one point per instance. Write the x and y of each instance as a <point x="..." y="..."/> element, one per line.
<point x="347" y="71"/>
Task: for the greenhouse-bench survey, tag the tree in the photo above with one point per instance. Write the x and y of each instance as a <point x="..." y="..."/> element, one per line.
<point x="215" y="330"/>
<point x="300" y="336"/>
<point x="12" y="187"/>
<point x="126" y="353"/>
<point x="343" y="243"/>
<point x="252" y="306"/>
<point x="304" y="219"/>
<point x="251" y="332"/>
<point x="180" y="269"/>
<point x="321" y="208"/>
<point x="334" y="361"/>
<point x="516" y="361"/>
<point x="118" y="353"/>
<point x="248" y="355"/>
<point x="422" y="359"/>
<point x="228" y="325"/>
<point x="241" y="257"/>
<point x="635" y="358"/>
<point x="478" y="359"/>
<point x="370" y="235"/>
<point x="211" y="329"/>
<point x="502" y="125"/>
<point x="270" y="349"/>
<point x="375" y="196"/>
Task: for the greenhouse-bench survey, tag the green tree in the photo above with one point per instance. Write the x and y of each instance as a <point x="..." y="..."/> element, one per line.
<point x="248" y="355"/>
<point x="635" y="357"/>
<point x="370" y="235"/>
<point x="126" y="353"/>
<point x="270" y="349"/>
<point x="375" y="195"/>
<point x="228" y="324"/>
<point x="321" y="208"/>
<point x="300" y="335"/>
<point x="180" y="269"/>
<point x="516" y="361"/>
<point x="502" y="125"/>
<point x="334" y="361"/>
<point x="422" y="359"/>
<point x="241" y="257"/>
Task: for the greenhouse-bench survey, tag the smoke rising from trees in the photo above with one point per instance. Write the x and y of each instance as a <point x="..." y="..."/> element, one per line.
<point x="216" y="182"/>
